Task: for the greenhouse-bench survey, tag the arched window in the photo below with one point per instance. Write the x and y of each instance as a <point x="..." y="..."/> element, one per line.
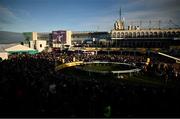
<point x="177" y="34"/>
<point x="151" y="34"/>
<point x="160" y="34"/>
<point x="142" y="34"/>
<point x="118" y="35"/>
<point x="173" y="34"/>
<point x="134" y="34"/>
<point x="130" y="34"/>
<point x="126" y="34"/>
<point x="164" y="34"/>
<point x="155" y="34"/>
<point x="146" y="34"/>
<point x="114" y="35"/>
<point x="168" y="34"/>
<point x="138" y="34"/>
<point x="122" y="34"/>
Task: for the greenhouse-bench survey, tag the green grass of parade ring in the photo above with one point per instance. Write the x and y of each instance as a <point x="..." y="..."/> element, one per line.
<point x="88" y="75"/>
<point x="105" y="67"/>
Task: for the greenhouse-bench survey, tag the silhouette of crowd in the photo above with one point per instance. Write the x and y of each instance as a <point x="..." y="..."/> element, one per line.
<point x="29" y="86"/>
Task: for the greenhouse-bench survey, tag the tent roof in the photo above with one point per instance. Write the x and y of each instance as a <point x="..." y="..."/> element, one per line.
<point x="19" y="48"/>
<point x="5" y="46"/>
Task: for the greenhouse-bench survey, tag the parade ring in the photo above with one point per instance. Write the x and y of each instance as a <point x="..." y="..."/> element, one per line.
<point x="115" y="68"/>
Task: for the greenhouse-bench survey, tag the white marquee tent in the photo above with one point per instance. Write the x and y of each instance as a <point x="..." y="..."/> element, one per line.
<point x="6" y="49"/>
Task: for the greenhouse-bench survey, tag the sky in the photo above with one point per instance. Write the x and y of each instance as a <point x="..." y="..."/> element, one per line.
<point x="83" y="15"/>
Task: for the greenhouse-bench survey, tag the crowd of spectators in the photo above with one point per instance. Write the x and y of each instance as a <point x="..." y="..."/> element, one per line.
<point x="29" y="86"/>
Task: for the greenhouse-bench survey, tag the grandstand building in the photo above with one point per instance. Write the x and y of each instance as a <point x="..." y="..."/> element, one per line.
<point x="137" y="37"/>
<point x="89" y="37"/>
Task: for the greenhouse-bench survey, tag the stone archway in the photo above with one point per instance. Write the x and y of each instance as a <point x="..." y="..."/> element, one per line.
<point x="142" y="34"/>
<point x="130" y="34"/>
<point x="114" y="35"/>
<point x="155" y="34"/>
<point x="160" y="34"/>
<point x="122" y="34"/>
<point x="118" y="35"/>
<point x="134" y="34"/>
<point x="126" y="34"/>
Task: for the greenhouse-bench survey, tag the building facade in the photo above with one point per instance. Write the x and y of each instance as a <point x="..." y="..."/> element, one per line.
<point x="80" y="37"/>
<point x="135" y="37"/>
<point x="35" y="40"/>
<point x="83" y="37"/>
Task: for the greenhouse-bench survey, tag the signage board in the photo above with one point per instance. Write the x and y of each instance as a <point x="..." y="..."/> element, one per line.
<point x="59" y="36"/>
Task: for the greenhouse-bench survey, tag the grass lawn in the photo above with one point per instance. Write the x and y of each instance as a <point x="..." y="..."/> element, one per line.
<point x="106" y="67"/>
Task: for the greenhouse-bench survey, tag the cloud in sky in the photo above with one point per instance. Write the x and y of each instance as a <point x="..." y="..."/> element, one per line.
<point x="136" y="11"/>
<point x="7" y="17"/>
<point x="141" y="10"/>
<point x="47" y="15"/>
<point x="153" y="9"/>
<point x="13" y="18"/>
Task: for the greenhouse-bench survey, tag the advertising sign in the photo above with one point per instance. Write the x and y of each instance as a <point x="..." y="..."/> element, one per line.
<point x="59" y="36"/>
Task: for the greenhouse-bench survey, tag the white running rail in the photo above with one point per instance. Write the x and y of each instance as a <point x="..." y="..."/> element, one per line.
<point x="177" y="59"/>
